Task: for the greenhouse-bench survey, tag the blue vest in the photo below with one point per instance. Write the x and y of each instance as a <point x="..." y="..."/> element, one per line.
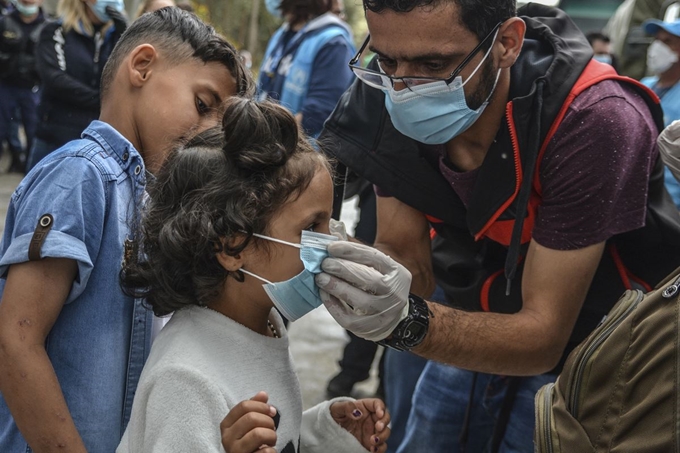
<point x="286" y="69"/>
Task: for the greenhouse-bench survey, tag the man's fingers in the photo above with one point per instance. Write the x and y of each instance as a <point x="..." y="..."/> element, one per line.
<point x="360" y="302"/>
<point x="671" y="133"/>
<point x="362" y="254"/>
<point x="361" y="276"/>
<point x="337" y="308"/>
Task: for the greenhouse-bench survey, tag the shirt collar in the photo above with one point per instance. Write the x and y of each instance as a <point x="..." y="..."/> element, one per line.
<point x="115" y="145"/>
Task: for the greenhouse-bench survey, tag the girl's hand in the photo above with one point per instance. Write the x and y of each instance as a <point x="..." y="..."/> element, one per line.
<point x="249" y="427"/>
<point x="366" y="419"/>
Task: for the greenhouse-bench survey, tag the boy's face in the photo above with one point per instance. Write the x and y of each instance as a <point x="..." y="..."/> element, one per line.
<point x="178" y="102"/>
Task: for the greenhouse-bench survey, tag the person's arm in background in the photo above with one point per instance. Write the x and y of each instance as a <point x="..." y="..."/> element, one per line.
<point x="330" y="78"/>
<point x="56" y="83"/>
<point x="669" y="147"/>
<point x="34" y="295"/>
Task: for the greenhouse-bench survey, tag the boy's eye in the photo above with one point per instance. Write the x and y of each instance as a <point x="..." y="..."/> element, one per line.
<point x="311" y="227"/>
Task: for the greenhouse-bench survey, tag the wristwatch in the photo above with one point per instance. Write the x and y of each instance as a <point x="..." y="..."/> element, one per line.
<point x="411" y="331"/>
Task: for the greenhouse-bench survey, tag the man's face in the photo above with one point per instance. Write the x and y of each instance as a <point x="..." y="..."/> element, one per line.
<point x="601" y="47"/>
<point x="430" y="42"/>
<point x="670" y="40"/>
<point x="178" y="102"/>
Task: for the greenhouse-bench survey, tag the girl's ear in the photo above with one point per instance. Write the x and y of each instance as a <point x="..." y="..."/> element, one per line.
<point x="231" y="263"/>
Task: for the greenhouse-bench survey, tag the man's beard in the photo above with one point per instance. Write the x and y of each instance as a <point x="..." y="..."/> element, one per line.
<point x="486" y="85"/>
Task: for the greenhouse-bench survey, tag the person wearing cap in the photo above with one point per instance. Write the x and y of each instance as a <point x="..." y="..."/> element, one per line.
<point x="664" y="64"/>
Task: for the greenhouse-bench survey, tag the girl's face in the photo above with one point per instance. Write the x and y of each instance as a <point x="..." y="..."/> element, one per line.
<point x="310" y="211"/>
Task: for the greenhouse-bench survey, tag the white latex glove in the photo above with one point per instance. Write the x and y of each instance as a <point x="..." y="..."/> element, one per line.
<point x="337" y="229"/>
<point x="365" y="290"/>
<point x="669" y="147"/>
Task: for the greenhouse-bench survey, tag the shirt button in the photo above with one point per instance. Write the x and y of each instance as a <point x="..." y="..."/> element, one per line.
<point x="125" y="156"/>
<point x="138" y="169"/>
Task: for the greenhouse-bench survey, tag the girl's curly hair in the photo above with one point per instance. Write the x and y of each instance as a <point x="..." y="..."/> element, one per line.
<point x="210" y="196"/>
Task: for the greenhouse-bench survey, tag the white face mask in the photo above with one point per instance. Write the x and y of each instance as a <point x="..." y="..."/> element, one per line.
<point x="660" y="57"/>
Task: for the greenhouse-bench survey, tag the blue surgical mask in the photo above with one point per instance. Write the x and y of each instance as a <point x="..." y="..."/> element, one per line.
<point x="99" y="8"/>
<point x="434" y="113"/>
<point x="299" y="295"/>
<point x="603" y="58"/>
<point x="26" y="10"/>
<point x="274" y="7"/>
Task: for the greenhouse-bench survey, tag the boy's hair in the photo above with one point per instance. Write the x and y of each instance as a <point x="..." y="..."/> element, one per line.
<point x="179" y="36"/>
<point x="210" y="196"/>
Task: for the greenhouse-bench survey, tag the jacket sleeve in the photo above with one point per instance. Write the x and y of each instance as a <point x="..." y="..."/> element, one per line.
<point x="319" y="433"/>
<point x="51" y="62"/>
<point x="330" y="78"/>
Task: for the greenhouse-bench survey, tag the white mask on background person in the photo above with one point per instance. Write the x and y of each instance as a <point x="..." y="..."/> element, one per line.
<point x="660" y="58"/>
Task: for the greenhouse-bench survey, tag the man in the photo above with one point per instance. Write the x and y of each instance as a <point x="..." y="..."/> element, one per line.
<point x="530" y="161"/>
<point x="602" y="49"/>
<point x="19" y="33"/>
<point x="662" y="61"/>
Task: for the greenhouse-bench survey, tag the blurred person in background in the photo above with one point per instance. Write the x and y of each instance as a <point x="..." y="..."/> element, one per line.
<point x="149" y="6"/>
<point x="662" y="62"/>
<point x="71" y="54"/>
<point x="186" y="6"/>
<point x="305" y="64"/>
<point x="602" y="51"/>
<point x="19" y="31"/>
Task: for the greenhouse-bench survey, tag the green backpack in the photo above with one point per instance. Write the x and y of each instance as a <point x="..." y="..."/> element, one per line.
<point x="618" y="391"/>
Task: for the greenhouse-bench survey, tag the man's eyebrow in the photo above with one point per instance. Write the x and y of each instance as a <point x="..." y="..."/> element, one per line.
<point x="434" y="56"/>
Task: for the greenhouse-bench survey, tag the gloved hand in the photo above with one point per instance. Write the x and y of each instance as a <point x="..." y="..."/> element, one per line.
<point x="365" y="290"/>
<point x="337" y="229"/>
<point x="669" y="147"/>
<point x="119" y="19"/>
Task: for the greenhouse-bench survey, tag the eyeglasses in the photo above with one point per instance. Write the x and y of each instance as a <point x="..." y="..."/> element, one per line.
<point x="381" y="81"/>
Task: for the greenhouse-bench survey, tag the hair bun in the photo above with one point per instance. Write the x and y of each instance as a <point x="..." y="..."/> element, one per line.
<point x="258" y="135"/>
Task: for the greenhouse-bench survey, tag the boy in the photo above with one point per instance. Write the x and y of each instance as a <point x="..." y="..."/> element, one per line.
<point x="72" y="345"/>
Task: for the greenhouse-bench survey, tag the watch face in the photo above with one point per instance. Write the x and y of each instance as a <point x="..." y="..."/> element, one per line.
<point x="414" y="330"/>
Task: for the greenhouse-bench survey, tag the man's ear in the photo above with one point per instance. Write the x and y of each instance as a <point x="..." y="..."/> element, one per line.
<point x="141" y="62"/>
<point x="511" y="39"/>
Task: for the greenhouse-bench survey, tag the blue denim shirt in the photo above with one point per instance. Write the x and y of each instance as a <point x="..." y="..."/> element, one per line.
<point x="101" y="338"/>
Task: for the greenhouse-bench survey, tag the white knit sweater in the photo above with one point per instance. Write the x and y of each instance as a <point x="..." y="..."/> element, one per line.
<point x="201" y="365"/>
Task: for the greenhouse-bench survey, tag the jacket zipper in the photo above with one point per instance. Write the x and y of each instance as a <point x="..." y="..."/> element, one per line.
<point x="544" y="426"/>
<point x="592" y="347"/>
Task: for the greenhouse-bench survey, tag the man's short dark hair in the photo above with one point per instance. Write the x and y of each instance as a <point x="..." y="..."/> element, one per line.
<point x="478" y="16"/>
<point x="304" y="10"/>
<point x="596" y="36"/>
<point x="179" y="36"/>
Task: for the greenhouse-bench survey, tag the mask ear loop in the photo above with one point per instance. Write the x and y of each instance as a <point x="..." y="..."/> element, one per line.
<point x="486" y="55"/>
<point x="280" y="241"/>
<point x="256" y="276"/>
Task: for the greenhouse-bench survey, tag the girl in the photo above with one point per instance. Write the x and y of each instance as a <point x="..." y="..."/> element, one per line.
<point x="228" y="211"/>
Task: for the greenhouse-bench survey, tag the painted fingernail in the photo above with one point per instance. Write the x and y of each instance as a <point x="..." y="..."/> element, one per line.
<point x="356" y="413"/>
<point x="376" y="439"/>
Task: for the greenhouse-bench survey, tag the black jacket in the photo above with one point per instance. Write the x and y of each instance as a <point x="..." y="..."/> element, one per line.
<point x="70" y="65"/>
<point x="470" y="271"/>
<point x="18" y="41"/>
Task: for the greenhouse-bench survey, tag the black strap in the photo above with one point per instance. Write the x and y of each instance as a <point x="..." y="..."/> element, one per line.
<point x="339" y="183"/>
